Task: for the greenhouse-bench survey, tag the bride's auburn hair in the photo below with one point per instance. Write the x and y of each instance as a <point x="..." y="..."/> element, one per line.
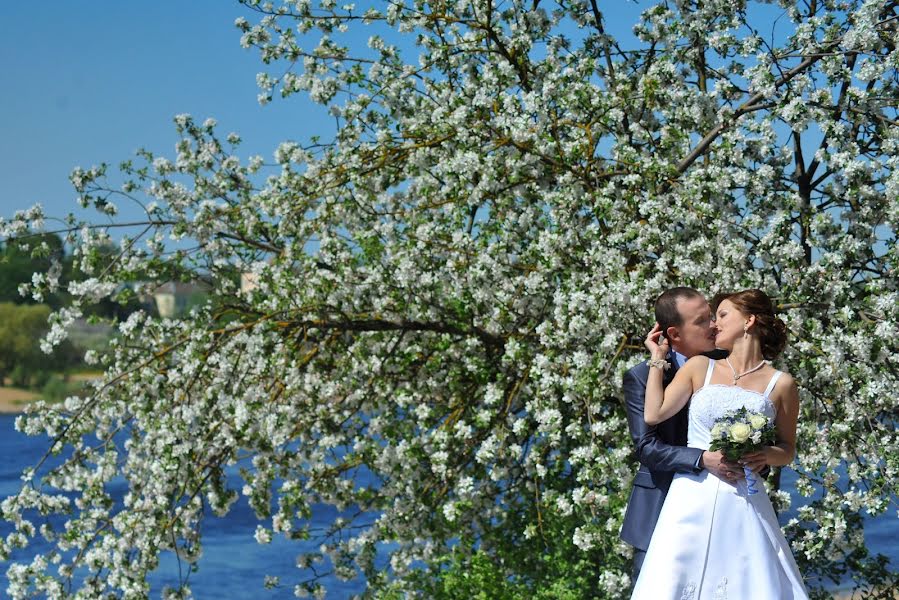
<point x="771" y="330"/>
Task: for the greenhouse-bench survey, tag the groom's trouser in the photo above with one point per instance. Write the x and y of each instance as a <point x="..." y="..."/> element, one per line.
<point x="639" y="555"/>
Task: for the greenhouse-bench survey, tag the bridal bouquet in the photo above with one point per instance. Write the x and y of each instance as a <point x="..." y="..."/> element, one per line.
<point x="739" y="432"/>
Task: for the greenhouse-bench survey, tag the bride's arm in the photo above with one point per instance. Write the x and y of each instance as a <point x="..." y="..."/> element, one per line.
<point x="663" y="403"/>
<point x="660" y="404"/>
<point x="783" y="452"/>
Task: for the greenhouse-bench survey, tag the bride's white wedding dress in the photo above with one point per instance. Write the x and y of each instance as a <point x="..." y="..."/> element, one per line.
<point x="713" y="541"/>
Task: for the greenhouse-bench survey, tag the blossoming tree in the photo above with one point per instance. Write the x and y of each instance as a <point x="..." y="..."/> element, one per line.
<point x="445" y="295"/>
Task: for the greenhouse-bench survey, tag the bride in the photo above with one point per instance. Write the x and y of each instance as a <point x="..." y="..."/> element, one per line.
<point x="713" y="539"/>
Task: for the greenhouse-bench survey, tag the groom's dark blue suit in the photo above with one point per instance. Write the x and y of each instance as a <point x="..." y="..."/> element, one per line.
<point x="662" y="451"/>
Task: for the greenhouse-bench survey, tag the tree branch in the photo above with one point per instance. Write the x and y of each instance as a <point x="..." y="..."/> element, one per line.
<point x="744" y="108"/>
<point x="489" y="339"/>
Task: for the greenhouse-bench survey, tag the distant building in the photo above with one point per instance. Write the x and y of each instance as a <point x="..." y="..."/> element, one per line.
<point x="248" y="282"/>
<point x="171" y="299"/>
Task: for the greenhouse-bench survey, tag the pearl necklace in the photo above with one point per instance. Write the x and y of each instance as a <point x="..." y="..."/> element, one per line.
<point x="745" y="373"/>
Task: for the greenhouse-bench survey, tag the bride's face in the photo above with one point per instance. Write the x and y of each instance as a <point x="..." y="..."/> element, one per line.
<point x="729" y="322"/>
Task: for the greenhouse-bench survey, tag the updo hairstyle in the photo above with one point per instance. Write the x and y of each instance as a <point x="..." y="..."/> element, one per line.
<point x="771" y="330"/>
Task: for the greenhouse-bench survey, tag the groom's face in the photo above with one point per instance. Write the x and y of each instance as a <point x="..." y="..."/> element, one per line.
<point x="696" y="333"/>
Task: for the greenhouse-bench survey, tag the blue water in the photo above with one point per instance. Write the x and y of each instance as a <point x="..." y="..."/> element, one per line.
<point x="881" y="531"/>
<point x="233" y="565"/>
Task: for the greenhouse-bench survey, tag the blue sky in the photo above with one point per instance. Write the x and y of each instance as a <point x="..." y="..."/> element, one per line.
<point x="92" y="81"/>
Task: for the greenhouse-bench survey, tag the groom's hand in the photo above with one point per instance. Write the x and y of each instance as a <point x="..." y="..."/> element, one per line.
<point x="721" y="467"/>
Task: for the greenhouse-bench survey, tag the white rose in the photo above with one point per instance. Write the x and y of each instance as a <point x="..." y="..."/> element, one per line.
<point x="758" y="421"/>
<point x="739" y="432"/>
<point x="717" y="430"/>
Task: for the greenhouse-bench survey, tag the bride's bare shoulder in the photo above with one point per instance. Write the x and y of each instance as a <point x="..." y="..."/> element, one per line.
<point x="786" y="391"/>
<point x="786" y="381"/>
<point x="696" y="367"/>
<point x="698" y="361"/>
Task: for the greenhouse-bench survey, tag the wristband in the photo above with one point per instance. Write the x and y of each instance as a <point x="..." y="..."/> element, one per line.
<point x="659" y="363"/>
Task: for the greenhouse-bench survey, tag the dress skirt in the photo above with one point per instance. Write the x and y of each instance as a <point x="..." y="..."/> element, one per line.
<point x="714" y="541"/>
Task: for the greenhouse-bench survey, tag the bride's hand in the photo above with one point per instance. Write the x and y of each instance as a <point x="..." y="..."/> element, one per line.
<point x="755" y="461"/>
<point x="656" y="343"/>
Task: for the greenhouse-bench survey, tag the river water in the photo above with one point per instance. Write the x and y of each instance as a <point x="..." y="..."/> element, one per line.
<point x="233" y="565"/>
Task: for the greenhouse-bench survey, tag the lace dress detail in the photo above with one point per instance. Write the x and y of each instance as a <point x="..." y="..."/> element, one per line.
<point x="714" y="541"/>
<point x="714" y="400"/>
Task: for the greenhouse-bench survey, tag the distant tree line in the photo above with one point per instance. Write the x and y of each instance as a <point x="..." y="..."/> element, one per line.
<point x="21" y="358"/>
<point x="23" y="319"/>
<point x="19" y="260"/>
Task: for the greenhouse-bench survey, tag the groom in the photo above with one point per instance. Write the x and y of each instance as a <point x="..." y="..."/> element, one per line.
<point x="685" y="317"/>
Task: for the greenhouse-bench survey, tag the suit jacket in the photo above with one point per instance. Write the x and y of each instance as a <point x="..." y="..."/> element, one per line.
<point x="662" y="451"/>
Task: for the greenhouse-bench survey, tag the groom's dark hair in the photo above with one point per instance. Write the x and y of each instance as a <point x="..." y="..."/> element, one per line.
<point x="667" y="314"/>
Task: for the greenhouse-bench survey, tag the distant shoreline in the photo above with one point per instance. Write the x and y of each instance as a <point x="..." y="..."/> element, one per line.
<point x="14" y="400"/>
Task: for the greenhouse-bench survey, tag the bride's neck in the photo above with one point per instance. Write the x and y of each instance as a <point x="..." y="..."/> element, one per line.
<point x="745" y="355"/>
